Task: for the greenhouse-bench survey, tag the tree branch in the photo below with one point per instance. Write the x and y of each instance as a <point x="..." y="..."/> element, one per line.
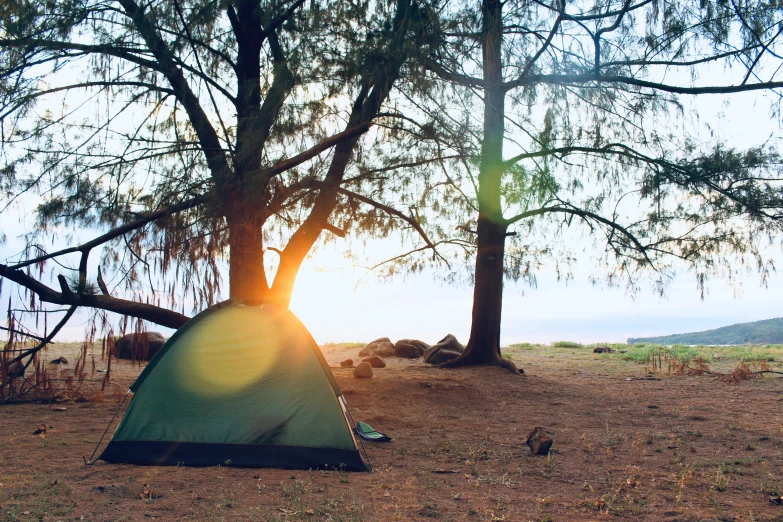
<point x="445" y="74"/>
<point x="19" y="332"/>
<point x="151" y="313"/>
<point x="116" y="232"/>
<point x="46" y="340"/>
<point x="210" y="143"/>
<point x="585" y="214"/>
<point x="280" y="21"/>
<point x="393" y="212"/>
<point x="559" y="79"/>
<point x="287" y="164"/>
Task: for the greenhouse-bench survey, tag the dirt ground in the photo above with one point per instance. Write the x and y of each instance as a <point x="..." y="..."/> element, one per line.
<point x="669" y="448"/>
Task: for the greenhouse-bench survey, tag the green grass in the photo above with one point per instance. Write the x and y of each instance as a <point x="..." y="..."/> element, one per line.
<point x="719" y="358"/>
<point x="345" y="345"/>
<point x="524" y="346"/>
<point x="567" y="344"/>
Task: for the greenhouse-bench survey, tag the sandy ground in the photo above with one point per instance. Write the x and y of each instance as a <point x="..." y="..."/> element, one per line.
<point x="670" y="448"/>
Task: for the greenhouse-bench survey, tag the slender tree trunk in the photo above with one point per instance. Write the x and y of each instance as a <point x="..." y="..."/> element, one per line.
<point x="484" y="344"/>
<point x="374" y="92"/>
<point x="307" y="234"/>
<point x="247" y="278"/>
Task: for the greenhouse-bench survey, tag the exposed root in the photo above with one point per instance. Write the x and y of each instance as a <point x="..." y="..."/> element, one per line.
<point x="467" y="359"/>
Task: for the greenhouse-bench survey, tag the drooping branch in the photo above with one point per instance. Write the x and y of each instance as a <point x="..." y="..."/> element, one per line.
<point x="46" y="340"/>
<point x="586" y="215"/>
<point x="24" y="334"/>
<point x="83" y="85"/>
<point x="392" y="212"/>
<point x="132" y="55"/>
<point x="591" y="77"/>
<point x="116" y="232"/>
<point x="210" y="143"/>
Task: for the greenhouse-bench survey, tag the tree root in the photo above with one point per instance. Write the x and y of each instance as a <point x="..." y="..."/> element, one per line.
<point x="466" y="359"/>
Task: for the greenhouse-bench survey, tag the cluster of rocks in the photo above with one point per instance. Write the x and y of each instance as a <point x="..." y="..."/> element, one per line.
<point x="444" y="350"/>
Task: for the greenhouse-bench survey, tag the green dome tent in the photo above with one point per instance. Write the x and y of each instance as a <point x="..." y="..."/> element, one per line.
<point x="239" y="385"/>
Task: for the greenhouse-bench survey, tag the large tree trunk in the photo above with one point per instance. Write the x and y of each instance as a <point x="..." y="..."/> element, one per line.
<point x="484" y="345"/>
<point x="247" y="278"/>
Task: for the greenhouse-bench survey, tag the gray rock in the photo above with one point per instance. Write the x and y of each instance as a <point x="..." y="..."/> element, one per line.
<point x="444" y="350"/>
<point x="140" y="347"/>
<point x="539" y="441"/>
<point x="14" y="370"/>
<point x="363" y="371"/>
<point x="382" y="347"/>
<point x="410" y="348"/>
<point x="375" y="361"/>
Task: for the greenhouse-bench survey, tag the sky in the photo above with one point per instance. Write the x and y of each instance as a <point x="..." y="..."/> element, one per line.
<point x="340" y="302"/>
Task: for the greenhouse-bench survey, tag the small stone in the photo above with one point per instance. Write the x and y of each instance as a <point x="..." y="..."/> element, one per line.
<point x="363" y="371"/>
<point x="348" y="363"/>
<point x="539" y="441"/>
<point x="375" y="361"/>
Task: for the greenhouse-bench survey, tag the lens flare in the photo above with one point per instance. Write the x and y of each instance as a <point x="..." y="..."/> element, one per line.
<point x="233" y="354"/>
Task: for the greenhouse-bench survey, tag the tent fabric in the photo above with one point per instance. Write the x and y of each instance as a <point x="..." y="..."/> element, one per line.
<point x="241" y="384"/>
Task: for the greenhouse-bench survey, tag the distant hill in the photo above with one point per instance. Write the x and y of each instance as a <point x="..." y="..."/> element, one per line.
<point x="769" y="331"/>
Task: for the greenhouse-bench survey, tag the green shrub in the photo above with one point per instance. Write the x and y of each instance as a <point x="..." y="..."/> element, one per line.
<point x="525" y="346"/>
<point x="567" y="344"/>
<point x="683" y="353"/>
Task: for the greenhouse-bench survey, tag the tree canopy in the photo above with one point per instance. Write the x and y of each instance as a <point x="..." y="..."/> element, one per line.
<point x="575" y="115"/>
<point x="189" y="131"/>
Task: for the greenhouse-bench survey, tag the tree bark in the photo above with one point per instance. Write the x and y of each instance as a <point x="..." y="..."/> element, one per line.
<point x="307" y="234"/>
<point x="374" y="92"/>
<point x="484" y="344"/>
<point x="247" y="276"/>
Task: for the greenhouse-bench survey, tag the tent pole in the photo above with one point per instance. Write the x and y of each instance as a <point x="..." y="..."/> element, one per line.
<point x="90" y="462"/>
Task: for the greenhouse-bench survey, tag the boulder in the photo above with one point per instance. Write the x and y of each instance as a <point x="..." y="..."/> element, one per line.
<point x="603" y="349"/>
<point x="348" y="363"/>
<point x="382" y="347"/>
<point x="141" y="347"/>
<point x="410" y="348"/>
<point x="363" y="371"/>
<point x="539" y="441"/>
<point x="444" y="350"/>
<point x="14" y="370"/>
<point x="375" y="361"/>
